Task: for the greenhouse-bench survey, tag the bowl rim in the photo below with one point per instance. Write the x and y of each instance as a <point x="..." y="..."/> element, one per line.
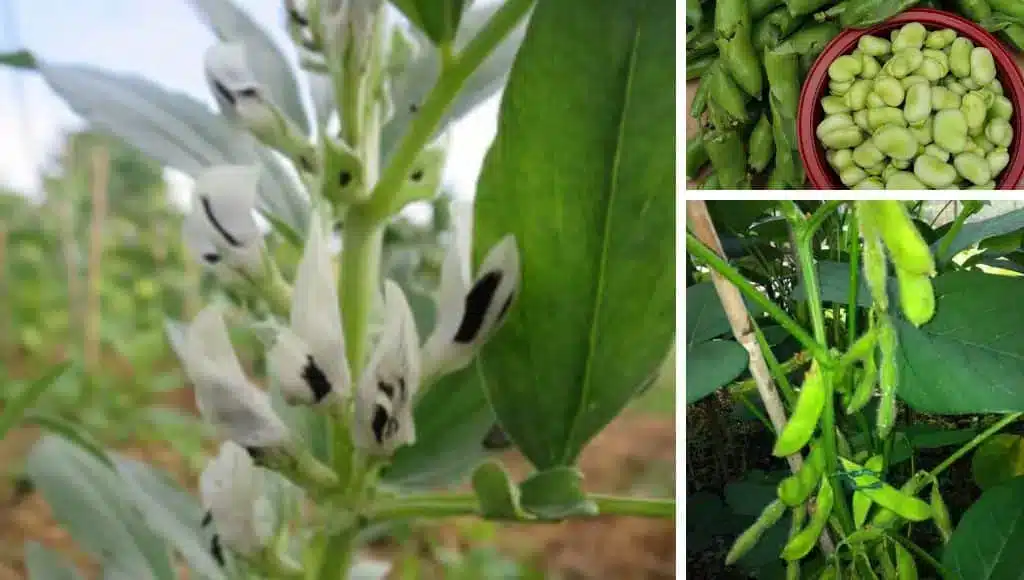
<point x="812" y="153"/>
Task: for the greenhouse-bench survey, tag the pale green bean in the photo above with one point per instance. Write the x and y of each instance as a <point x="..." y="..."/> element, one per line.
<point x="934" y="173"/>
<point x="960" y="57"/>
<point x="950" y="130"/>
<point x="973" y="168"/>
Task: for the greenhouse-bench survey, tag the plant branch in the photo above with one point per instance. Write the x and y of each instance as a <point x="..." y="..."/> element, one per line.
<point x="977" y="440"/>
<point x="462" y="504"/>
<point x="947" y="240"/>
<point x="455" y="71"/>
<point x="851" y="300"/>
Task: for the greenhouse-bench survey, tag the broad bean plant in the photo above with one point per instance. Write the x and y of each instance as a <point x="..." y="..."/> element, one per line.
<point x="376" y="396"/>
<point x="885" y="325"/>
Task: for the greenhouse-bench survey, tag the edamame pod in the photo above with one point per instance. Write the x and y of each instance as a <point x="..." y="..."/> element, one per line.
<point x="725" y="150"/>
<point x="940" y="514"/>
<point x="771" y="514"/>
<point x="867" y="481"/>
<point x="865" y="386"/>
<point x="904" y="242"/>
<point x="762" y="145"/>
<point x="917" y="297"/>
<point x="696" y="156"/>
<point x="809" y="405"/>
<point x="887" y="377"/>
<point x="861" y="501"/>
<point x="796" y="488"/>
<point x="1010" y="7"/>
<point x="800" y="544"/>
<point x="733" y="27"/>
<point x="905" y="566"/>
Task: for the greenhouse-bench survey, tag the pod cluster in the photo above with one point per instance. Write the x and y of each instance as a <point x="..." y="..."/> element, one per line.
<point x="919" y="110"/>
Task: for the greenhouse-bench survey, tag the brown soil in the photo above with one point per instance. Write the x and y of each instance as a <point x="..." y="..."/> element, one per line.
<point x="633" y="452"/>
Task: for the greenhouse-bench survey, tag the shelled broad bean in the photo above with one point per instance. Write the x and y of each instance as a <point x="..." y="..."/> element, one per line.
<point x="919" y="110"/>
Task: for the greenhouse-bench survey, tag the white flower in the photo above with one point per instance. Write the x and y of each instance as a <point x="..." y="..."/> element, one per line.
<point x="225" y="397"/>
<point x="350" y="28"/>
<point x="232" y="490"/>
<point x="221" y="228"/>
<point x="469" y="315"/>
<point x="308" y="358"/>
<point x="383" y="407"/>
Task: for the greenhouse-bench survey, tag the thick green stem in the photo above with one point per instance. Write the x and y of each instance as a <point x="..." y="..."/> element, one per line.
<point x="449" y="505"/>
<point x="851" y="301"/>
<point x="456" y="69"/>
<point x="965" y="212"/>
<point x="699" y="250"/>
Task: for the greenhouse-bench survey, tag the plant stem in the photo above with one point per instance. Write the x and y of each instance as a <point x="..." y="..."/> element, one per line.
<point x="977" y="440"/>
<point x="449" y="505"/>
<point x="851" y="301"/>
<point x="796" y="362"/>
<point x="385" y="199"/>
<point x="965" y="212"/>
<point x="818" y="217"/>
<point x="778" y="372"/>
<point x="699" y="250"/>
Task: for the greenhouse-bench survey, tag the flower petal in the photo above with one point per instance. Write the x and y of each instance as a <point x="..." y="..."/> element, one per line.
<point x="383" y="414"/>
<point x="303" y="380"/>
<point x="222" y="212"/>
<point x="225" y="397"/>
<point x="231" y="488"/>
<point x="228" y="74"/>
<point x="439" y="354"/>
<point x="464" y="327"/>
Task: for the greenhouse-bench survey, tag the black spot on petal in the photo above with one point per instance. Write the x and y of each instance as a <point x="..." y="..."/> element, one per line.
<point x="478" y="300"/>
<point x="306" y="164"/>
<point x="402" y="395"/>
<point x="316" y="379"/>
<point x="211" y="258"/>
<point x="297" y="18"/>
<point x="256" y="453"/>
<point x="208" y="210"/>
<point x="224" y="93"/>
<point x="345" y="178"/>
<point x="413" y="108"/>
<point x="417" y="175"/>
<point x="380" y="422"/>
<point x="217" y="551"/>
<point x="249" y="93"/>
<point x="207" y="519"/>
<point x="387" y="389"/>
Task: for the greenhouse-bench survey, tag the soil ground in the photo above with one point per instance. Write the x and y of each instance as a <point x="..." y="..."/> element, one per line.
<point x="636" y="452"/>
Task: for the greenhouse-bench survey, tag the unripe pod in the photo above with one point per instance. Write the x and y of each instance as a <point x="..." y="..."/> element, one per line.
<point x="905" y="244"/>
<point x="771" y="514"/>
<point x="917" y="297"/>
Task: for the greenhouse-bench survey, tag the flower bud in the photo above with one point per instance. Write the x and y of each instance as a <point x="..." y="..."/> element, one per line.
<point x="221" y="228"/>
<point x="231" y="487"/>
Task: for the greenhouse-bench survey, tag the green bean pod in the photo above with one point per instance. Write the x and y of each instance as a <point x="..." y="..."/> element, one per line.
<point x="771" y="514"/>
<point x="862" y="501"/>
<point x="1013" y="8"/>
<point x="976" y="10"/>
<point x="700" y="100"/>
<point x="810" y="40"/>
<point x="735" y="47"/>
<point x="902" y="238"/>
<point x="864" y="13"/>
<point x="762" y="145"/>
<point x="940" y="514"/>
<point x="801" y="544"/>
<point x="865" y="387"/>
<point x="888" y="566"/>
<point x="906" y="568"/>
<point x="711" y="182"/>
<point x="799" y="515"/>
<point x="803" y="7"/>
<point x="726" y="95"/>
<point x="809" y="405"/>
<point x="784" y="83"/>
<point x="796" y="488"/>
<point x="917" y="296"/>
<point x="700" y="43"/>
<point x="778" y="24"/>
<point x="875" y="263"/>
<point x="759" y="8"/>
<point x="700" y="66"/>
<point x="886" y="518"/>
<point x="867" y="482"/>
<point x="725" y="150"/>
<point x="888" y="375"/>
<point x="694" y="13"/>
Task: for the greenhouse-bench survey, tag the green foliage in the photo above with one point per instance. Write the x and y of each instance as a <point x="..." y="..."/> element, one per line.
<point x="556" y="376"/>
<point x="978" y="548"/>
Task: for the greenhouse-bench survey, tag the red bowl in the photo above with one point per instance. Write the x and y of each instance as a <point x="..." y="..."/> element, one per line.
<point x="809" y="114"/>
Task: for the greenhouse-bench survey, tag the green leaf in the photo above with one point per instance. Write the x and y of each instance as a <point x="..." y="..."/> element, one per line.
<point x="973" y="232"/>
<point x="15" y="408"/>
<point x="170" y="513"/>
<point x="231" y="23"/>
<point x="556" y="494"/>
<point x="19" y="59"/>
<point x="72" y="432"/>
<point x="705" y="318"/>
<point x="998" y="460"/>
<point x="970" y="357"/>
<point x="595" y="317"/>
<point x="834" y="284"/>
<point x="452" y="418"/>
<point x="712" y="365"/>
<point x="410" y="88"/>
<point x="43" y="563"/>
<point x="439" y="19"/>
<point x="736" y="217"/>
<point x="928" y="436"/>
<point x="498" y="496"/>
<point x="175" y="130"/>
<point x="87" y="498"/>
<point x="985" y="544"/>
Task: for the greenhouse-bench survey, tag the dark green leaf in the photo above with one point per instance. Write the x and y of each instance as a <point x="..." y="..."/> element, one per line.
<point x="970" y="357"/>
<point x="927" y="436"/>
<point x="736" y="217"/>
<point x="45" y="564"/>
<point x="974" y="232"/>
<point x="834" y="281"/>
<point x="705" y="318"/>
<point x="19" y="59"/>
<point x="998" y="460"/>
<point x="556" y="493"/>
<point x="452" y="419"/>
<point x="985" y="543"/>
<point x="594" y="317"/>
<point x="439" y="19"/>
<point x="712" y="365"/>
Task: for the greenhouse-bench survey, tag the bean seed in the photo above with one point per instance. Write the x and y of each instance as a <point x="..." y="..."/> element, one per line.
<point x="885" y="116"/>
<point x="834" y="105"/>
<point x="857" y="98"/>
<point x="923" y="131"/>
<point x="896" y="142"/>
<point x="904" y="62"/>
<point x="983" y="66"/>
<point x="943" y="98"/>
<point x="934" y="173"/>
<point x="839" y="88"/>
<point x="833" y="122"/>
<point x="939" y="39"/>
<point x="1001" y="108"/>
<point x="851" y="176"/>
<point x="861" y="119"/>
<point x="867" y="154"/>
<point x="955" y="86"/>
<point x="876" y="169"/>
<point x="845" y="68"/>
<point x="841" y="158"/>
<point x="874" y="45"/>
<point x="901" y="163"/>
<point x="996" y="87"/>
<point x="960" y="57"/>
<point x="912" y="35"/>
<point x="912" y="80"/>
<point x="983" y="143"/>
<point x="998" y="132"/>
<point x="970" y="83"/>
<point x="889" y="171"/>
<point x="984" y="187"/>
<point x="933" y="70"/>
<point x="870" y="183"/>
<point x="903" y="180"/>
<point x="974" y="110"/>
<point x="919" y="103"/>
<point x="937" y="152"/>
<point x="875" y="101"/>
<point x="950" y="130"/>
<point x="869" y="66"/>
<point x="844" y="138"/>
<point x="997" y="160"/>
<point x="973" y="168"/>
<point x="937" y="55"/>
<point x="889" y="89"/>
